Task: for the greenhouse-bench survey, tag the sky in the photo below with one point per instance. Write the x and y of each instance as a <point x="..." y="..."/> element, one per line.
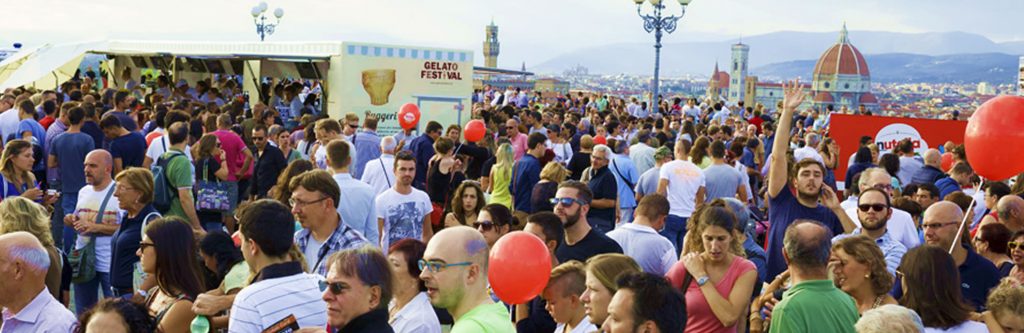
<point x="530" y="31"/>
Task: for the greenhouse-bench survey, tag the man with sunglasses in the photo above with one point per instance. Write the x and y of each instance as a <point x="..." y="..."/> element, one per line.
<point x="270" y="161"/>
<point x="517" y="138"/>
<point x="874" y="210"/>
<point x="900" y="226"/>
<point x="572" y="204"/>
<point x="454" y="270"/>
<point x="977" y="274"/>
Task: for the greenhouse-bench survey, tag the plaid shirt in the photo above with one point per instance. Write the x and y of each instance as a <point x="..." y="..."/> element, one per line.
<point x="343" y="238"/>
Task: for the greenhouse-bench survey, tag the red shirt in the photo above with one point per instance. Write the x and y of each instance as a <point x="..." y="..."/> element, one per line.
<point x="47" y="121"/>
<point x="757" y="122"/>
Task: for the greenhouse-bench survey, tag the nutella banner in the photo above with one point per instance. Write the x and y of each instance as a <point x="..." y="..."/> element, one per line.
<point x="379" y="79"/>
<point x="888" y="131"/>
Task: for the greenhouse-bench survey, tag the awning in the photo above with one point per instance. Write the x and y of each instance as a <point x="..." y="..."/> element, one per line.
<point x="46" y="67"/>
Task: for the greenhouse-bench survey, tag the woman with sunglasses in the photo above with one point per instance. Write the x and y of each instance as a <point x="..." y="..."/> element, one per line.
<point x="1016" y="247"/>
<point x="211" y="166"/>
<point x="858" y="268"/>
<point x="167" y="251"/>
<point x="410" y="309"/>
<point x="358" y="291"/>
<point x="991" y="242"/>
<point x="494" y="221"/>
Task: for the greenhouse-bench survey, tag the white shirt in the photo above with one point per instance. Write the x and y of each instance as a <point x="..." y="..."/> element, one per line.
<point x="746" y="179"/>
<point x="402" y="214"/>
<point x="849" y="203"/>
<point x="416" y="317"/>
<point x="642" y="156"/>
<point x="88" y="205"/>
<point x="900" y="225"/>
<point x="9" y="121"/>
<point x="807" y="152"/>
<point x="563" y="151"/>
<point x="652" y="251"/>
<point x="380" y="173"/>
<point x="158" y="148"/>
<point x="585" y="326"/>
<point x="965" y="327"/>
<point x="684" y="180"/>
<point x="266" y="302"/>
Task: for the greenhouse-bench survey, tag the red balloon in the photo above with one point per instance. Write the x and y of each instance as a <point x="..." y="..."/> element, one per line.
<point x="993" y="136"/>
<point x="475" y="130"/>
<point x="520" y="266"/>
<point x="409" y="116"/>
<point x="600" y="140"/>
<point x="947" y="161"/>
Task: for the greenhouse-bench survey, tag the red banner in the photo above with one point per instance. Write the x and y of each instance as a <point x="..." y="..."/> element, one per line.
<point x="887" y="132"/>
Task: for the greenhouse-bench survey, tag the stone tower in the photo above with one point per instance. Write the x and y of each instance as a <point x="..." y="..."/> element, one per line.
<point x="738" y="72"/>
<point x="491" y="46"/>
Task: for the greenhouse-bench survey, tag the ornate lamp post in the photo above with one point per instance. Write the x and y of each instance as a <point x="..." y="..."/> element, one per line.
<point x="259" y="17"/>
<point x="658" y="24"/>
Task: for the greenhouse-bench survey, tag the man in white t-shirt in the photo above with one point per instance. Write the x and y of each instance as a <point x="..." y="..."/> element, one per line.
<point x="160" y="145"/>
<point x="682" y="182"/>
<point x="96" y="203"/>
<point x="326" y="130"/>
<point x="403" y="211"/>
<point x="809" y="150"/>
<point x="380" y="173"/>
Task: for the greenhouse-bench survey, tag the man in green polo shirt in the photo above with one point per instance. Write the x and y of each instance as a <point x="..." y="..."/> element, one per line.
<point x="813" y="304"/>
<point x="179" y="174"/>
<point x="454" y="269"/>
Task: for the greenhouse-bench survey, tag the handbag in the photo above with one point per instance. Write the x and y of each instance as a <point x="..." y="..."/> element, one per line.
<point x="212" y="195"/>
<point x="83" y="260"/>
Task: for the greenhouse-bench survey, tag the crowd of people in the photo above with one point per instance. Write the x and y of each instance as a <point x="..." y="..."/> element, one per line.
<point x="183" y="210"/>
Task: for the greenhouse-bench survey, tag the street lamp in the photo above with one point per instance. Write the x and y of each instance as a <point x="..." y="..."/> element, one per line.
<point x="657" y="23"/>
<point x="263" y="28"/>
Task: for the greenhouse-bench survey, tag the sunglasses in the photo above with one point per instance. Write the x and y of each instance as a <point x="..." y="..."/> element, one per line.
<point x="483" y="225"/>
<point x="868" y="207"/>
<point x="566" y="202"/>
<point x="256" y="138"/>
<point x="353" y="125"/>
<point x="335" y="287"/>
<point x="1015" y="245"/>
<point x="437" y="266"/>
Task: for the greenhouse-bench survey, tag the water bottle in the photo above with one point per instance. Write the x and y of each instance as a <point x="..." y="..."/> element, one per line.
<point x="200" y="325"/>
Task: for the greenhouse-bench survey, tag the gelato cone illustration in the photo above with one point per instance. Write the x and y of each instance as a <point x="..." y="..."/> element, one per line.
<point x="378" y="83"/>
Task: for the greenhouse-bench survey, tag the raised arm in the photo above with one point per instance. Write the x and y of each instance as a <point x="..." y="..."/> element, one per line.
<point x="779" y="169"/>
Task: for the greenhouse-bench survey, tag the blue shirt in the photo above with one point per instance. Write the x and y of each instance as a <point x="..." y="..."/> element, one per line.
<point x="70" y="150"/>
<point x="624" y="170"/>
<point x="756" y="255"/>
<point x="525" y="174"/>
<point x="126" y="121"/>
<point x="358" y="207"/>
<point x="648" y="183"/>
<point x="130" y="148"/>
<point x="367" y="148"/>
<point x="892" y="250"/>
<point x="38" y="138"/>
<point x="946" y="186"/>
<point x="55" y="129"/>
<point x="423" y="149"/>
<point x="93" y="130"/>
<point x="785" y="210"/>
<point x="977" y="277"/>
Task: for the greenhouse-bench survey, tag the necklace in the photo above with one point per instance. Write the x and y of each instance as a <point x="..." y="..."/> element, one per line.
<point x="878" y="301"/>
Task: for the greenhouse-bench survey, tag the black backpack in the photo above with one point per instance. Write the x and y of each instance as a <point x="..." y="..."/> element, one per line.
<point x="163" y="191"/>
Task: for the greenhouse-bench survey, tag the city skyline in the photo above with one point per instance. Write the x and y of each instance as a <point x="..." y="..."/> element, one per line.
<point x="526" y="26"/>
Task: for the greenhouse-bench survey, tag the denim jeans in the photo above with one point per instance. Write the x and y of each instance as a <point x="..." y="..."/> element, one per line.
<point x="675" y="231"/>
<point x="87" y="293"/>
<point x="68" y="201"/>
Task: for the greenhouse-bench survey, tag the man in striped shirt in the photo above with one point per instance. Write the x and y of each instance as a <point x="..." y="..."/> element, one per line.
<point x="281" y="295"/>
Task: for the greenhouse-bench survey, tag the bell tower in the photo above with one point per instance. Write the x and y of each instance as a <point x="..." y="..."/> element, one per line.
<point x="491" y="46"/>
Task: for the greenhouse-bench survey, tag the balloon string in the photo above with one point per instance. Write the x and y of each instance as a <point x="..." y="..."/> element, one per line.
<point x="960" y="231"/>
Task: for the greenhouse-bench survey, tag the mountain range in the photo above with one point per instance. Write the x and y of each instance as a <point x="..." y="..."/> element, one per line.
<point x="891" y="56"/>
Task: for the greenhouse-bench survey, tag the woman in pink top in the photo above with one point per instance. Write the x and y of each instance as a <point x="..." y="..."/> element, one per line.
<point x="719" y="291"/>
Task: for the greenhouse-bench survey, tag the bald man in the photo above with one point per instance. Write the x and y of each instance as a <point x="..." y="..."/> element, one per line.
<point x="977" y="274"/>
<point x="932" y="169"/>
<point x="27" y="305"/>
<point x="455" y="273"/>
<point x="95" y="219"/>
<point x="1010" y="209"/>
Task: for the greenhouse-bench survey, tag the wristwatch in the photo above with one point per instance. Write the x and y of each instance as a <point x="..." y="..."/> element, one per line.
<point x="701" y="281"/>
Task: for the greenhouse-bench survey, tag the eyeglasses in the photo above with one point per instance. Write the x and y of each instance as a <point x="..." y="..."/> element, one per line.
<point x="255" y="138"/>
<point x="566" y="201"/>
<point x="437" y="266"/>
<point x="936" y="225"/>
<point x="1015" y="245"/>
<point x="298" y="203"/>
<point x="876" y="207"/>
<point x="335" y="287"/>
<point x="883" y="187"/>
<point x="144" y="245"/>
<point x="483" y="225"/>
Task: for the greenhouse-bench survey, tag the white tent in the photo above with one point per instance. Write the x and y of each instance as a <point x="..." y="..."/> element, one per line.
<point x="45" y="67"/>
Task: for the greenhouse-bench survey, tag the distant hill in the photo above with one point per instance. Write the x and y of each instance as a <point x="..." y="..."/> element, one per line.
<point x="779" y="47"/>
<point x="902" y="67"/>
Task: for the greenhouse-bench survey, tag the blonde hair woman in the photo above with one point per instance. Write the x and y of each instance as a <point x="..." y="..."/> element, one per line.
<point x="603" y="271"/>
<point x="552" y="175"/>
<point x="21" y="214"/>
<point x="16" y="169"/>
<point x="501" y="176"/>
